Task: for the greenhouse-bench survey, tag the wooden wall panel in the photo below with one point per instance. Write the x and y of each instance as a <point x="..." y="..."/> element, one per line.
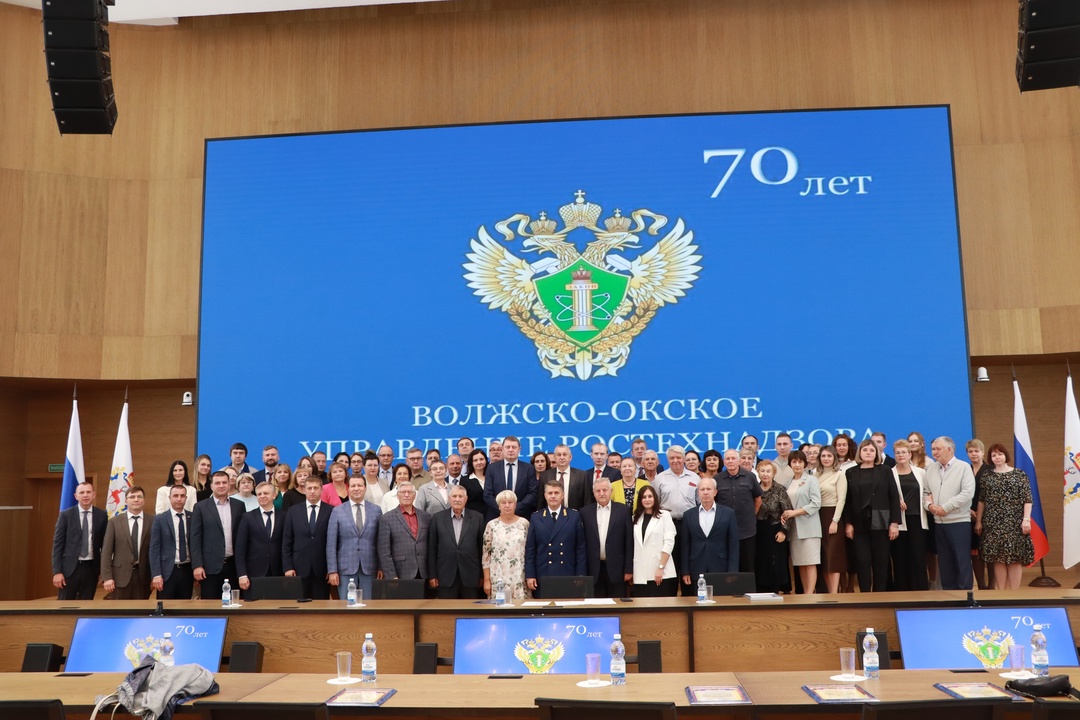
<point x="105" y="232"/>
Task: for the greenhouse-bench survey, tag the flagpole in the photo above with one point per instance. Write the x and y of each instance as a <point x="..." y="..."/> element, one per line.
<point x="1043" y="580"/>
<point x="1070" y="402"/>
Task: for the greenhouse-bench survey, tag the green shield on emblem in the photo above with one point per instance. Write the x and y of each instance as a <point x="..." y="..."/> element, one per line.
<point x="582" y="299"/>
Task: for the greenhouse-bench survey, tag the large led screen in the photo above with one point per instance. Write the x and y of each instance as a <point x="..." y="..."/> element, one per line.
<point x="119" y="644"/>
<point x="685" y="279"/>
<point x="536" y="645"/>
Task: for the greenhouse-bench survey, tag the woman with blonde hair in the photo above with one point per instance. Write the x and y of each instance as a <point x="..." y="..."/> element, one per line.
<point x="833" y="485"/>
<point x="503" y="554"/>
<point x="909" y="549"/>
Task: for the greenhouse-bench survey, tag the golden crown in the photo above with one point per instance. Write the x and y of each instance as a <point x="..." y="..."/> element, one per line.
<point x="580" y="213"/>
<point x="617" y="223"/>
<point x="543" y="225"/>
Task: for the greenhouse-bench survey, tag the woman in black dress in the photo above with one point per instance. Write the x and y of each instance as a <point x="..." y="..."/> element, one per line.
<point x="871" y="517"/>
<point x="771" y="557"/>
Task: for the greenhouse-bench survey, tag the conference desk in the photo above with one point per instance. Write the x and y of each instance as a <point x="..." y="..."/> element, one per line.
<point x="774" y="694"/>
<point x="731" y="635"/>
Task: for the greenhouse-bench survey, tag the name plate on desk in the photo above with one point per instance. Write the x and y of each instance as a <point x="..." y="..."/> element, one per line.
<point x="838" y="694"/>
<point x="361" y="697"/>
<point x="717" y="695"/>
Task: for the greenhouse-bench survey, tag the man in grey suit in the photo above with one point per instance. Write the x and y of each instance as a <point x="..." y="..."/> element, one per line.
<point x="577" y="485"/>
<point x="170" y="549"/>
<point x="125" y="553"/>
<point x="214" y="522"/>
<point x="351" y="541"/>
<point x="403" y="538"/>
<point x="76" y="551"/>
<point x="454" y="549"/>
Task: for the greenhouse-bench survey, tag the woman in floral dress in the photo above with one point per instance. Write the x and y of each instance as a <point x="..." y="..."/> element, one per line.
<point x="504" y="550"/>
<point x="1003" y="520"/>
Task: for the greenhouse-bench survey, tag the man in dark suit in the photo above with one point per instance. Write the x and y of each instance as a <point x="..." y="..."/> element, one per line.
<point x="711" y="536"/>
<point x="214" y="523"/>
<point x="509" y="473"/>
<point x="76" y="551"/>
<point x="454" y="548"/>
<point x="125" y="553"/>
<point x="258" y="539"/>
<point x="577" y="486"/>
<point x="555" y="545"/>
<point x="170" y="549"/>
<point x="303" y="543"/>
<point x="600" y="467"/>
<point x="881" y="443"/>
<point x="403" y="538"/>
<point x="270" y="462"/>
<point x="609" y="542"/>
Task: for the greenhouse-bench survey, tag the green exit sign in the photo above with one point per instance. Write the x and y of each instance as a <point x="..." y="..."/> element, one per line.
<point x="56" y="467"/>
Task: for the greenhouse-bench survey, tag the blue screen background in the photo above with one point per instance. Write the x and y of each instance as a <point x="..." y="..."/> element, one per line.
<point x="335" y="314"/>
<point x="933" y="639"/>
<point x="99" y="644"/>
<point x="483" y="646"/>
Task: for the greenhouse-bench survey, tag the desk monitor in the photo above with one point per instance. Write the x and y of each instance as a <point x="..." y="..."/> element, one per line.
<point x="118" y="644"/>
<point x="958" y="638"/>
<point x="535" y="645"/>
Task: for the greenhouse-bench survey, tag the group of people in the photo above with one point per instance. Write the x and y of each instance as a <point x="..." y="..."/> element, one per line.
<point x="480" y="520"/>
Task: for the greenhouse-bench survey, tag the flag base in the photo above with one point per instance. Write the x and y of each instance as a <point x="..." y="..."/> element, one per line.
<point x="1045" y="581"/>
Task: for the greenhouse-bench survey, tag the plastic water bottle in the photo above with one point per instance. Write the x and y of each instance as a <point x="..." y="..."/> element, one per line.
<point x="350" y="595"/>
<point x="1040" y="659"/>
<point x="168" y="651"/>
<point x="870" y="657"/>
<point x="226" y="594"/>
<point x="500" y="592"/>
<point x="367" y="664"/>
<point x="701" y="591"/>
<point x="618" y="661"/>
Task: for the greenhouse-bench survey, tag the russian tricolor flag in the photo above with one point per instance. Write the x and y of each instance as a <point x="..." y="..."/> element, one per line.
<point x="73" y="461"/>
<point x="1023" y="461"/>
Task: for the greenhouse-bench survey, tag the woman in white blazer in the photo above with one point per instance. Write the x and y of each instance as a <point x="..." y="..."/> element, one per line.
<point x="909" y="549"/>
<point x="654" y="538"/>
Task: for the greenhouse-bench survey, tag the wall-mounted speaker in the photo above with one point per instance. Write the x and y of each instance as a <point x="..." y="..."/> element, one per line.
<point x="78" y="65"/>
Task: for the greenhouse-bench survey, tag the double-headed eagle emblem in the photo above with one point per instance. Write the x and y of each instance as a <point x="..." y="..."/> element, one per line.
<point x="539" y="655"/>
<point x="991" y="647"/>
<point x="582" y="309"/>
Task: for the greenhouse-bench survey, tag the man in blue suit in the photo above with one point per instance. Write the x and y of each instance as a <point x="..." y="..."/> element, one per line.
<point x="76" y="551"/>
<point x="509" y="473"/>
<point x="214" y="522"/>
<point x="352" y="541"/>
<point x="258" y="539"/>
<point x="170" y="550"/>
<point x="710" y="536"/>
<point x="303" y="545"/>
<point x="555" y="545"/>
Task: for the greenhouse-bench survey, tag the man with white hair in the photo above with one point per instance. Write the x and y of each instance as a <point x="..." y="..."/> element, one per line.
<point x="677" y="488"/>
<point x="948" y="488"/>
<point x="739" y="490"/>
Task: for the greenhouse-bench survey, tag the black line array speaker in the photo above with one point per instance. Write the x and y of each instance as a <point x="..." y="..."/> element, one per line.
<point x="1048" y="44"/>
<point x="79" y="67"/>
<point x="246" y="657"/>
<point x="42" y="657"/>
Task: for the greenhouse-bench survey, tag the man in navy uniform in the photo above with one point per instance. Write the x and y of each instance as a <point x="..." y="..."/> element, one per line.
<point x="556" y="541"/>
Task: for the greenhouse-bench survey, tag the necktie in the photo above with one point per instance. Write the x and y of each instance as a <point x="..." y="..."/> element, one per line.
<point x="359" y="519"/>
<point x="311" y="520"/>
<point x="269" y="525"/>
<point x="85" y="534"/>
<point x="562" y="480"/>
<point x="598" y="471"/>
<point x="135" y="538"/>
<point x="509" y="476"/>
<point x="181" y="538"/>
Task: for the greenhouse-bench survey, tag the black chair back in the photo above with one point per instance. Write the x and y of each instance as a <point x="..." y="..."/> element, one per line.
<point x="1055" y="709"/>
<point x="736" y="583"/>
<point x="397" y="589"/>
<point x="32" y="709"/>
<point x="945" y="709"/>
<point x="884" y="657"/>
<point x="571" y="587"/>
<point x="649" y="658"/>
<point x="217" y="710"/>
<point x="559" y="709"/>
<point x="275" y="588"/>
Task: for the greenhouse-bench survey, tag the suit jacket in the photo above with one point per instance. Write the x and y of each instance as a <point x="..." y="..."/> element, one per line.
<point x="347" y="550"/>
<point x="578" y="487"/>
<point x="429" y="499"/>
<point x="302" y="551"/>
<point x="658" y="538"/>
<point x="117" y="555"/>
<point x="260" y="476"/>
<point x="68" y="534"/>
<point x="619" y="547"/>
<point x="526" y="487"/>
<point x="449" y="559"/>
<point x="257" y="554"/>
<point x="555" y="547"/>
<point x="400" y="554"/>
<point x="163" y="544"/>
<point x="208" y="536"/>
<point x="880" y="497"/>
<point x="717" y="552"/>
<point x="476" y="495"/>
